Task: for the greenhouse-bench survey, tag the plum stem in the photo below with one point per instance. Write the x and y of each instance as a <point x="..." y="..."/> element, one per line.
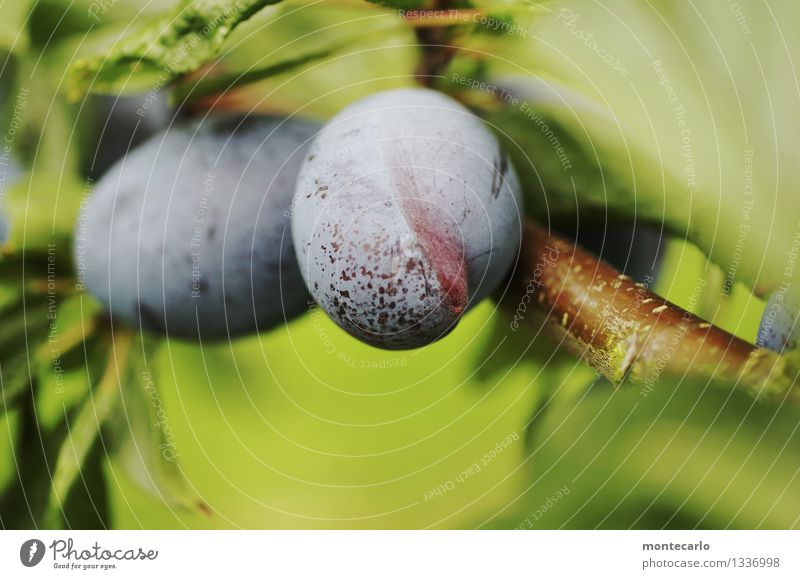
<point x="436" y="50"/>
<point x="628" y="333"/>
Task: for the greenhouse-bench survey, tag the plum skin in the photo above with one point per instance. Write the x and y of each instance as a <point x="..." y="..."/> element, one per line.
<point x="188" y="235"/>
<point x="779" y="330"/>
<point x="407" y="213"/>
<point x="10" y="173"/>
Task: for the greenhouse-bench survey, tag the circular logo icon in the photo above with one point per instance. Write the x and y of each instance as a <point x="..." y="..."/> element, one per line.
<point x="32" y="552"/>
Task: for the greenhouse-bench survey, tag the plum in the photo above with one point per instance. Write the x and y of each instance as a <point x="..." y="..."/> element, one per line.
<point x="407" y="212"/>
<point x="779" y="329"/>
<point x="188" y="234"/>
<point x="10" y="172"/>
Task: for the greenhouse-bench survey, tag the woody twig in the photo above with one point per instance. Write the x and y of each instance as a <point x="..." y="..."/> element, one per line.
<point x="628" y="333"/>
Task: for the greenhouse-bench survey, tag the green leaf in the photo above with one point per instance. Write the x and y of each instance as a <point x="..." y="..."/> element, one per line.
<point x="144" y="443"/>
<point x="42" y="211"/>
<point x="12" y="36"/>
<point x="9" y="427"/>
<point x="20" y="269"/>
<point x="64" y="361"/>
<point x="75" y="320"/>
<point x="51" y="21"/>
<point x="497" y="24"/>
<point x="41" y="124"/>
<point x="572" y="156"/>
<point x="227" y="82"/>
<point x="59" y="389"/>
<point x="24" y="328"/>
<point x="725" y="173"/>
<point x="683" y="455"/>
<point x="161" y="48"/>
<point x="83" y="430"/>
<point x="86" y="506"/>
<point x="21" y="504"/>
<point x="15" y="377"/>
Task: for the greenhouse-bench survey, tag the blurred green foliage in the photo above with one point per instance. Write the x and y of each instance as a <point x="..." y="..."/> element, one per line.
<point x="305" y="427"/>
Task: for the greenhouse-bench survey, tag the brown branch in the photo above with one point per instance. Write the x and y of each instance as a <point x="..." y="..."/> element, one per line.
<point x="437" y="52"/>
<point x="628" y="333"/>
<point x="442" y="17"/>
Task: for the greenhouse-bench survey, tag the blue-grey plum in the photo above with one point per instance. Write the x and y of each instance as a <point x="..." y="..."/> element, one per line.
<point x="9" y="174"/>
<point x="779" y="329"/>
<point x="406" y="213"/>
<point x="188" y="234"/>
